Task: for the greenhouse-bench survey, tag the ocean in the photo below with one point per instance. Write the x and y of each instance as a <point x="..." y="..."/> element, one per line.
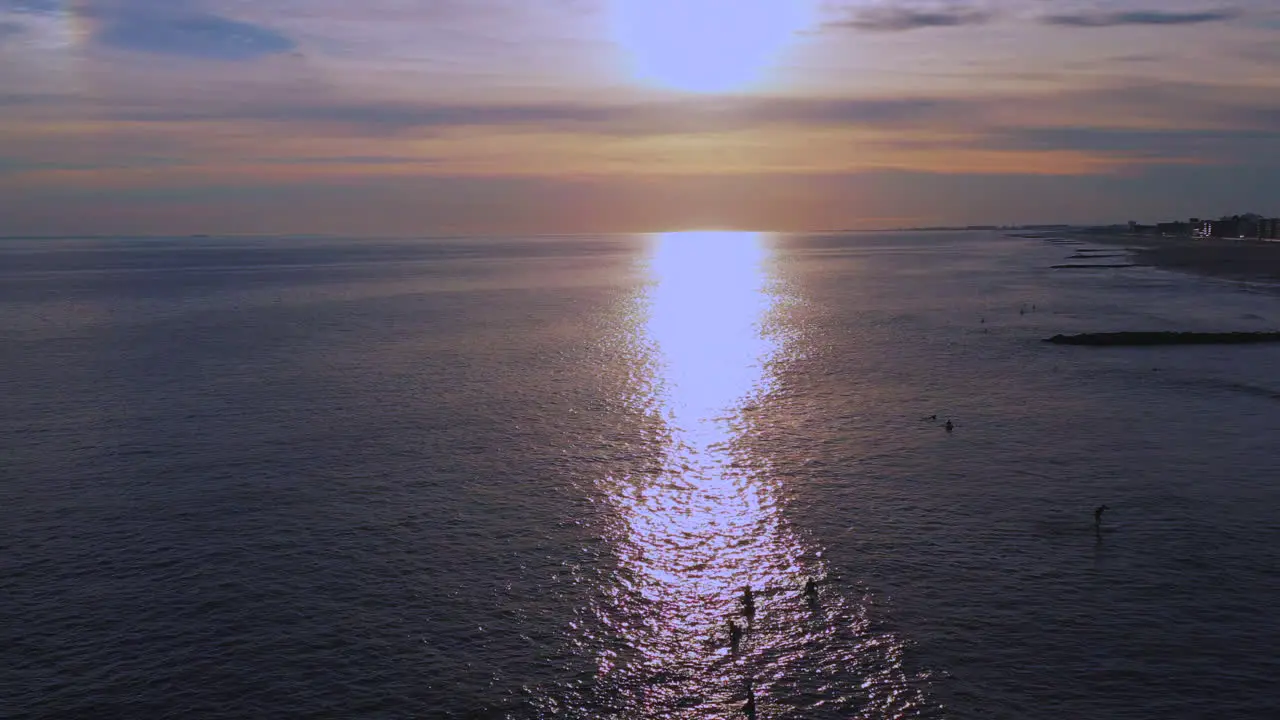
<point x="532" y="478"/>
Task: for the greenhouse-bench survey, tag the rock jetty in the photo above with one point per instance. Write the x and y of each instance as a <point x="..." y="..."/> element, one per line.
<point x="1121" y="339"/>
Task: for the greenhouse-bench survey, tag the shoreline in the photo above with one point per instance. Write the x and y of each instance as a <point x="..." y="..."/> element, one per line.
<point x="1240" y="260"/>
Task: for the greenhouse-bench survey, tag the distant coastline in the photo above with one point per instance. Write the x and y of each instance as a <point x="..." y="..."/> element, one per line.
<point x="965" y="228"/>
<point x="1244" y="260"/>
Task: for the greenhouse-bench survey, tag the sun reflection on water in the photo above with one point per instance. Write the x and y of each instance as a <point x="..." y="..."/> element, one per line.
<point x="705" y="521"/>
<point x="708" y="298"/>
<point x="704" y="527"/>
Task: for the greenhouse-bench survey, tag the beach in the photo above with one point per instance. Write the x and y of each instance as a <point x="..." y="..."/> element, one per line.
<point x="1248" y="260"/>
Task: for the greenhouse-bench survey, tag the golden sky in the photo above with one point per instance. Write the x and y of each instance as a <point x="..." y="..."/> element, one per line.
<point x="397" y="117"/>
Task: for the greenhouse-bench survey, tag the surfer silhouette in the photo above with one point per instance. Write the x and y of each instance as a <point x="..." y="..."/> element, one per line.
<point x="735" y="636"/>
<point x="1097" y="516"/>
<point x="949" y="426"/>
<point x="748" y="602"/>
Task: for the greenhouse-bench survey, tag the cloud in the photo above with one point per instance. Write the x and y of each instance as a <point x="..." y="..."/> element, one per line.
<point x="196" y="35"/>
<point x="349" y="160"/>
<point x="37" y="100"/>
<point x="9" y="30"/>
<point x="30" y="6"/>
<point x="895" y="112"/>
<point x="1218" y="147"/>
<point x="1139" y="17"/>
<point x="1262" y="53"/>
<point x="1138" y="58"/>
<point x="682" y="116"/>
<point x="16" y="165"/>
<point x="1123" y="103"/>
<point x="902" y="19"/>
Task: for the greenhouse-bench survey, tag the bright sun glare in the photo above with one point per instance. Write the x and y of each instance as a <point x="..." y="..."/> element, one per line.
<point x="706" y="45"/>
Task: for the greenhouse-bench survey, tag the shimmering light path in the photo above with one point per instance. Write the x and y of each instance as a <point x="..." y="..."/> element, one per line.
<point x="707" y="523"/>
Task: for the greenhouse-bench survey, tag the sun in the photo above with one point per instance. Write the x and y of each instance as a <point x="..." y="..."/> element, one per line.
<point x="706" y="46"/>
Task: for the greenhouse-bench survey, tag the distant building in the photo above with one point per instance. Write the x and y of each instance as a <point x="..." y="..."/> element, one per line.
<point x="1244" y="226"/>
<point x="1248" y="226"/>
<point x="1224" y="227"/>
<point x="1231" y="227"/>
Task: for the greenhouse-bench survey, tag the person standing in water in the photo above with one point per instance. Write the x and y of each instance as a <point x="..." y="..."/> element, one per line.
<point x="949" y="426"/>
<point x="811" y="592"/>
<point x="735" y="636"/>
<point x="1097" y="516"/>
<point x="748" y="602"/>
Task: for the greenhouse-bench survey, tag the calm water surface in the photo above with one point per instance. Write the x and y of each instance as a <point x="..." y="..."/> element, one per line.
<point x="499" y="478"/>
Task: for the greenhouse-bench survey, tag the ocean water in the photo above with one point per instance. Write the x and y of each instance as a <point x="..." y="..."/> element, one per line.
<point x="530" y="478"/>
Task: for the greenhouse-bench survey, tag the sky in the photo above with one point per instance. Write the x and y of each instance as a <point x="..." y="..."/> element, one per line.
<point x="429" y="117"/>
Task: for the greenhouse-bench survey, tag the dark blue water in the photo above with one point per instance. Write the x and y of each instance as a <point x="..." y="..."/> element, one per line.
<point x="529" y="478"/>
